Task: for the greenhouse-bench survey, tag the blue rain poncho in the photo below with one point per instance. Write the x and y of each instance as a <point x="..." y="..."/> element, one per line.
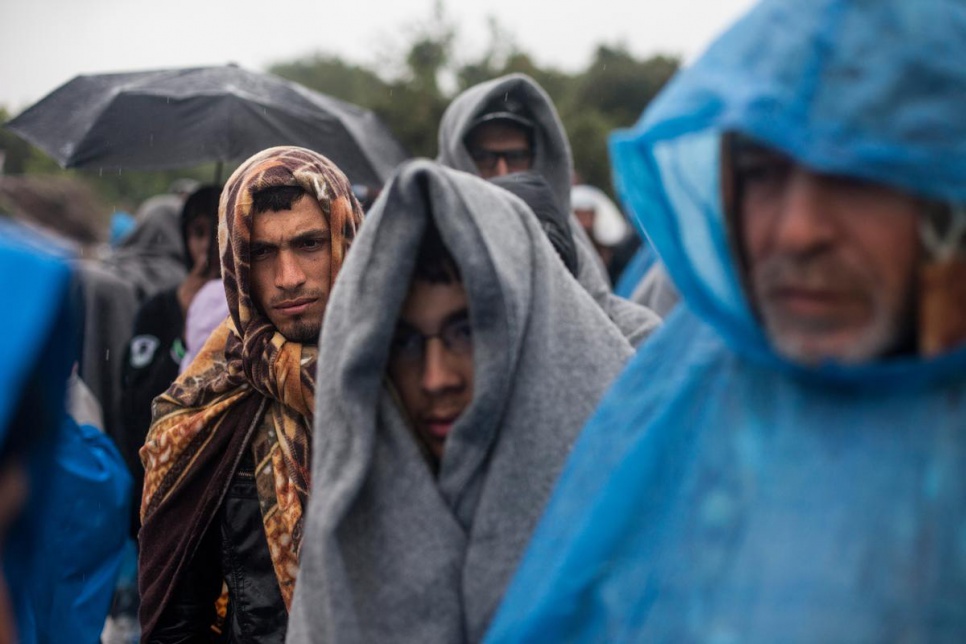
<point x="62" y="554"/>
<point x="721" y="493"/>
<point x="636" y="269"/>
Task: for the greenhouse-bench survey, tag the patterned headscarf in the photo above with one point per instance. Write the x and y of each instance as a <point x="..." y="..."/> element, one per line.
<point x="249" y="387"/>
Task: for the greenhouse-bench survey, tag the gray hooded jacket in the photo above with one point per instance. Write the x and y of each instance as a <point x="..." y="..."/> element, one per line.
<point x="554" y="161"/>
<point x="391" y="552"/>
<point x="152" y="258"/>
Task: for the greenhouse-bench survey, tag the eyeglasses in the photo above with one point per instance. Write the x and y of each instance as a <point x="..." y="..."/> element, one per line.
<point x="516" y="160"/>
<point x="409" y="345"/>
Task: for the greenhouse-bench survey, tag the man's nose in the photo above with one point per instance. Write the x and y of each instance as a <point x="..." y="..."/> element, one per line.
<point x="807" y="220"/>
<point x="438" y="371"/>
<point x="288" y="273"/>
<point x="502" y="168"/>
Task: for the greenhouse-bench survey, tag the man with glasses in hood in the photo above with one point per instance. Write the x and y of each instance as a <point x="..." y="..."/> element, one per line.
<point x="508" y="125"/>
<point x="462" y="360"/>
<point x="799" y="472"/>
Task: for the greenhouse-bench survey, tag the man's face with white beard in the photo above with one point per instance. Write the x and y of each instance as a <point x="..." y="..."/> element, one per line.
<point x="832" y="261"/>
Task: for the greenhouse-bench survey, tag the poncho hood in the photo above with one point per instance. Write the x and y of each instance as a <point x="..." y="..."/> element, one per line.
<point x="392" y="552"/>
<point x="863" y="89"/>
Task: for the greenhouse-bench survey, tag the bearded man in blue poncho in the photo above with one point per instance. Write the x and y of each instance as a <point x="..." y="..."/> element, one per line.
<point x="785" y="461"/>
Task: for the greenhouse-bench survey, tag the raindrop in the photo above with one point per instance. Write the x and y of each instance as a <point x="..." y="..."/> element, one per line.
<point x="107" y="355"/>
<point x="151" y="141"/>
<point x="100" y="172"/>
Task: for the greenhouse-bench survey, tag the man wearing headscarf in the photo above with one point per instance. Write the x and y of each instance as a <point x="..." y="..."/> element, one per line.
<point x="798" y="473"/>
<point x="509" y="124"/>
<point x="462" y="360"/>
<point x="227" y="456"/>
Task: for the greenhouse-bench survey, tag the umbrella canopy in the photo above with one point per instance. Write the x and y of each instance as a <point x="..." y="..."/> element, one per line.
<point x="157" y="120"/>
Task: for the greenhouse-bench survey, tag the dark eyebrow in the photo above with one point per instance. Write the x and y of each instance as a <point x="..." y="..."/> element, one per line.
<point x="402" y="326"/>
<point x="260" y="245"/>
<point x="457" y="316"/>
<point x="310" y="235"/>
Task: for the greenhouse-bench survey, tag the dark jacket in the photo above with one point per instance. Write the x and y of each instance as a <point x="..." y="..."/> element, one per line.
<point x="234" y="551"/>
<point x="151" y="362"/>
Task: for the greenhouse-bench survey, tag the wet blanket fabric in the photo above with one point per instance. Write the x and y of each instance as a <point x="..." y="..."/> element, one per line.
<point x="392" y="552"/>
<point x="739" y="497"/>
<point x="248" y="389"/>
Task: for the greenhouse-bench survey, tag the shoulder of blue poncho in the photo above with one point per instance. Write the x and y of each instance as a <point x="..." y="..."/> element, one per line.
<point x="553" y="595"/>
<point x="619" y="481"/>
<point x="33" y="291"/>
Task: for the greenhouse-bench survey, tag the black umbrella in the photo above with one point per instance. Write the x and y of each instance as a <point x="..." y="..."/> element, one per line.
<point x="158" y="120"/>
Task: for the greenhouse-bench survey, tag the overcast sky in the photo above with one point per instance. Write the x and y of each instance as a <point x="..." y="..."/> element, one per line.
<point x="44" y="43"/>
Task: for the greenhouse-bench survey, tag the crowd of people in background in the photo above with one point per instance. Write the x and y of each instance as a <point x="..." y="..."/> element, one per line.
<point x="482" y="403"/>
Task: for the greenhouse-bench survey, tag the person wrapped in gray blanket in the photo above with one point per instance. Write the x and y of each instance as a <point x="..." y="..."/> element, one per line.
<point x="458" y="361"/>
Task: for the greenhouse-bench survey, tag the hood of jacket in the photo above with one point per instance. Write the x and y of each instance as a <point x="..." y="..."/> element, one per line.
<point x="553" y="160"/>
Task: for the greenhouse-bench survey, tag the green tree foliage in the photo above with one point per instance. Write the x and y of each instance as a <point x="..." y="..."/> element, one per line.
<point x="16" y="151"/>
<point x="335" y="77"/>
<point x="609" y="94"/>
<point x="619" y="86"/>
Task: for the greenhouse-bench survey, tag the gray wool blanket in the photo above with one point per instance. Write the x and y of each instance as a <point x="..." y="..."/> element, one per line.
<point x="392" y="552"/>
<point x="553" y="160"/>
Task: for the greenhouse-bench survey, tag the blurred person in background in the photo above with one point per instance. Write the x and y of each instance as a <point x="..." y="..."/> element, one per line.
<point x="67" y="215"/>
<point x="151" y="255"/>
<point x="603" y="223"/>
<point x="156" y="347"/>
<point x="64" y="491"/>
